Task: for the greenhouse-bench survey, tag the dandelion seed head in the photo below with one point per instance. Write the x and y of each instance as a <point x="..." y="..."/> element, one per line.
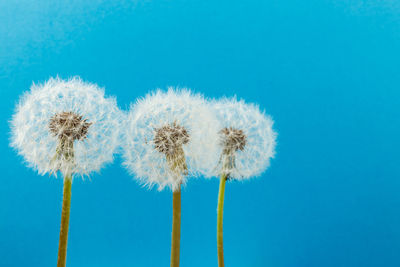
<point x="247" y="139"/>
<point x="67" y="126"/>
<point x="168" y="136"/>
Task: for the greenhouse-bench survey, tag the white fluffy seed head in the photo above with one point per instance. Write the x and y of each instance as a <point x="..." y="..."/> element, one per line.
<point x="67" y="126"/>
<point x="168" y="136"/>
<point x="247" y="139"/>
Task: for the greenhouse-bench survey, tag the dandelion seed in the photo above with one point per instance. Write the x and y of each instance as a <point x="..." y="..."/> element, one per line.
<point x="247" y="143"/>
<point x="168" y="137"/>
<point x="66" y="109"/>
<point x="66" y="126"/>
<point x="246" y="135"/>
<point x="165" y="126"/>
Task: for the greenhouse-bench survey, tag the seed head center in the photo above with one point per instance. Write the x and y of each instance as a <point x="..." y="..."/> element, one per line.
<point x="169" y="139"/>
<point x="233" y="140"/>
<point x="69" y="126"/>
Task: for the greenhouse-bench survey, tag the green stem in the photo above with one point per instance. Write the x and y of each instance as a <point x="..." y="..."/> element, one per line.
<point x="220" y="211"/>
<point x="66" y="205"/>
<point x="176" y="227"/>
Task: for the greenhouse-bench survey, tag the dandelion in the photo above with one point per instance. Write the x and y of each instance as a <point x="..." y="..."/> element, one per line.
<point x="67" y="127"/>
<point x="168" y="136"/>
<point x="246" y="145"/>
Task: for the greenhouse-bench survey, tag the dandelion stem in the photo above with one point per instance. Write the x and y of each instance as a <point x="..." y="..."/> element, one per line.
<point x="220" y="210"/>
<point x="176" y="227"/>
<point x="62" y="247"/>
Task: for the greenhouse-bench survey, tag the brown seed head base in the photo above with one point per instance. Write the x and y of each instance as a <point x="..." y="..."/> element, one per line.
<point x="169" y="140"/>
<point x="233" y="140"/>
<point x="69" y="125"/>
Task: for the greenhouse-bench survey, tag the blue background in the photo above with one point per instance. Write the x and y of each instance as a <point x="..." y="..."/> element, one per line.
<point x="328" y="73"/>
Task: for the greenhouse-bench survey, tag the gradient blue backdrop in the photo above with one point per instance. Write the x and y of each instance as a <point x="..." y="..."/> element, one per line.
<point x="326" y="70"/>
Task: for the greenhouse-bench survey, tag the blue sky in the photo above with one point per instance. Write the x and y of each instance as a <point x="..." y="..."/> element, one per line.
<point x="326" y="71"/>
